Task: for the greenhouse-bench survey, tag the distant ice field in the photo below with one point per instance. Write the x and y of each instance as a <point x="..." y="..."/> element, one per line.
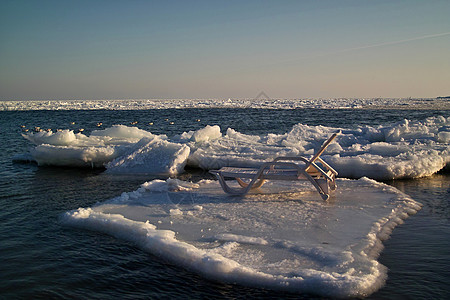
<point x="261" y="102"/>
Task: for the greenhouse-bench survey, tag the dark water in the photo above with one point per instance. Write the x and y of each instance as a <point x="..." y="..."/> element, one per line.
<point x="42" y="259"/>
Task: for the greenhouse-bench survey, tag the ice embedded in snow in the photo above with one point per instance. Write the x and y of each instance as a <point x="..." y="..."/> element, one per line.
<point x="402" y="150"/>
<point x="282" y="237"/>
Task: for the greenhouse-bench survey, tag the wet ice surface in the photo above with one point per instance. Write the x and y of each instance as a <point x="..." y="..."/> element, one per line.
<point x="283" y="236"/>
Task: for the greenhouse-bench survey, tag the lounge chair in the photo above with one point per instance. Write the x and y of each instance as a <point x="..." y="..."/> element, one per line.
<point x="320" y="174"/>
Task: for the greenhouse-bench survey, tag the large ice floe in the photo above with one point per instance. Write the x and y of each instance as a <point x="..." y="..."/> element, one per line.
<point x="282" y="237"/>
<point x="403" y="150"/>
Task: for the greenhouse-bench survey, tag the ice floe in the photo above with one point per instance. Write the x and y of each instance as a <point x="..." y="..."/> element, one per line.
<point x="282" y="237"/>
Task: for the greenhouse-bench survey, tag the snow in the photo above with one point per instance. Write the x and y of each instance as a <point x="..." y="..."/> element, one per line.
<point x="283" y="237"/>
<point x="405" y="149"/>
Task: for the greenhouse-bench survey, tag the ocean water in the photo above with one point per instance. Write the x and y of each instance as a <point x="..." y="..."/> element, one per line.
<point x="42" y="258"/>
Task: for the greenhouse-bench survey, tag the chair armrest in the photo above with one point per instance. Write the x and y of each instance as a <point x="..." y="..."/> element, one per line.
<point x="272" y="164"/>
<point x="280" y="159"/>
<point x="293" y="158"/>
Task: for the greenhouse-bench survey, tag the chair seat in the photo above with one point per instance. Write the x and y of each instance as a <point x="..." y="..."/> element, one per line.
<point x="321" y="175"/>
<point x="281" y="174"/>
<point x="274" y="174"/>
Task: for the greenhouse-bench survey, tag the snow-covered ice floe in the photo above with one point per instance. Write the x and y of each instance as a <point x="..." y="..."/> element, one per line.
<point x="403" y="150"/>
<point x="282" y="237"/>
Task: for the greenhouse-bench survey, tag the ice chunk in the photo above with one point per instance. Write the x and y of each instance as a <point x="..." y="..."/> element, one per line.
<point x="120" y="148"/>
<point x="59" y="138"/>
<point x="444" y="137"/>
<point x="153" y="156"/>
<point x="207" y="133"/>
<point x="122" y="132"/>
<point x="73" y="156"/>
<point x="229" y="237"/>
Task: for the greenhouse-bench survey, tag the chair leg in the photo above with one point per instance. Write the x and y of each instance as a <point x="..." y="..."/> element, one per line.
<point x="256" y="185"/>
<point x="322" y="193"/>
<point x="325" y="197"/>
<point x="229" y="190"/>
<point x="333" y="185"/>
<point x="241" y="182"/>
<point x="323" y="183"/>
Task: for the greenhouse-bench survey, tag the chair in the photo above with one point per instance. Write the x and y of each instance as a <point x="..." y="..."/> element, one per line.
<point x="320" y="174"/>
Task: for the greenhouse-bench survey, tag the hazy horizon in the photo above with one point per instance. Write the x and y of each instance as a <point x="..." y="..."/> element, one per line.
<point x="61" y="50"/>
<point x="213" y="98"/>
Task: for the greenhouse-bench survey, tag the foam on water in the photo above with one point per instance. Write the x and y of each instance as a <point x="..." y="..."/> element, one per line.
<point x="282" y="237"/>
<point x="402" y="150"/>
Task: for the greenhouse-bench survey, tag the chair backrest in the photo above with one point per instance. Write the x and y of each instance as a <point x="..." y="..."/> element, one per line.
<point x="324" y="147"/>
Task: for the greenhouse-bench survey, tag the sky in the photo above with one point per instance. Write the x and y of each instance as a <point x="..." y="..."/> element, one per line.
<point x="223" y="49"/>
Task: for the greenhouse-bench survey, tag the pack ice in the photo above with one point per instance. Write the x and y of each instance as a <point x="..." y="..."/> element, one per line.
<point x="402" y="150"/>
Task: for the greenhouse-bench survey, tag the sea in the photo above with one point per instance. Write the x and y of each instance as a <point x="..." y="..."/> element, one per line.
<point x="43" y="258"/>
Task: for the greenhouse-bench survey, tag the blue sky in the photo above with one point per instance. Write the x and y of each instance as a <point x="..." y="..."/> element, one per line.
<point x="220" y="49"/>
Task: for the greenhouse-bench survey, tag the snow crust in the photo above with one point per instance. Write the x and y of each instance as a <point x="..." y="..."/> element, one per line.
<point x="283" y="237"/>
<point x="131" y="104"/>
<point x="402" y="150"/>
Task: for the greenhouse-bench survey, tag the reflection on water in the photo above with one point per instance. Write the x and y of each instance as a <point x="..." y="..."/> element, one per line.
<point x="434" y="193"/>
